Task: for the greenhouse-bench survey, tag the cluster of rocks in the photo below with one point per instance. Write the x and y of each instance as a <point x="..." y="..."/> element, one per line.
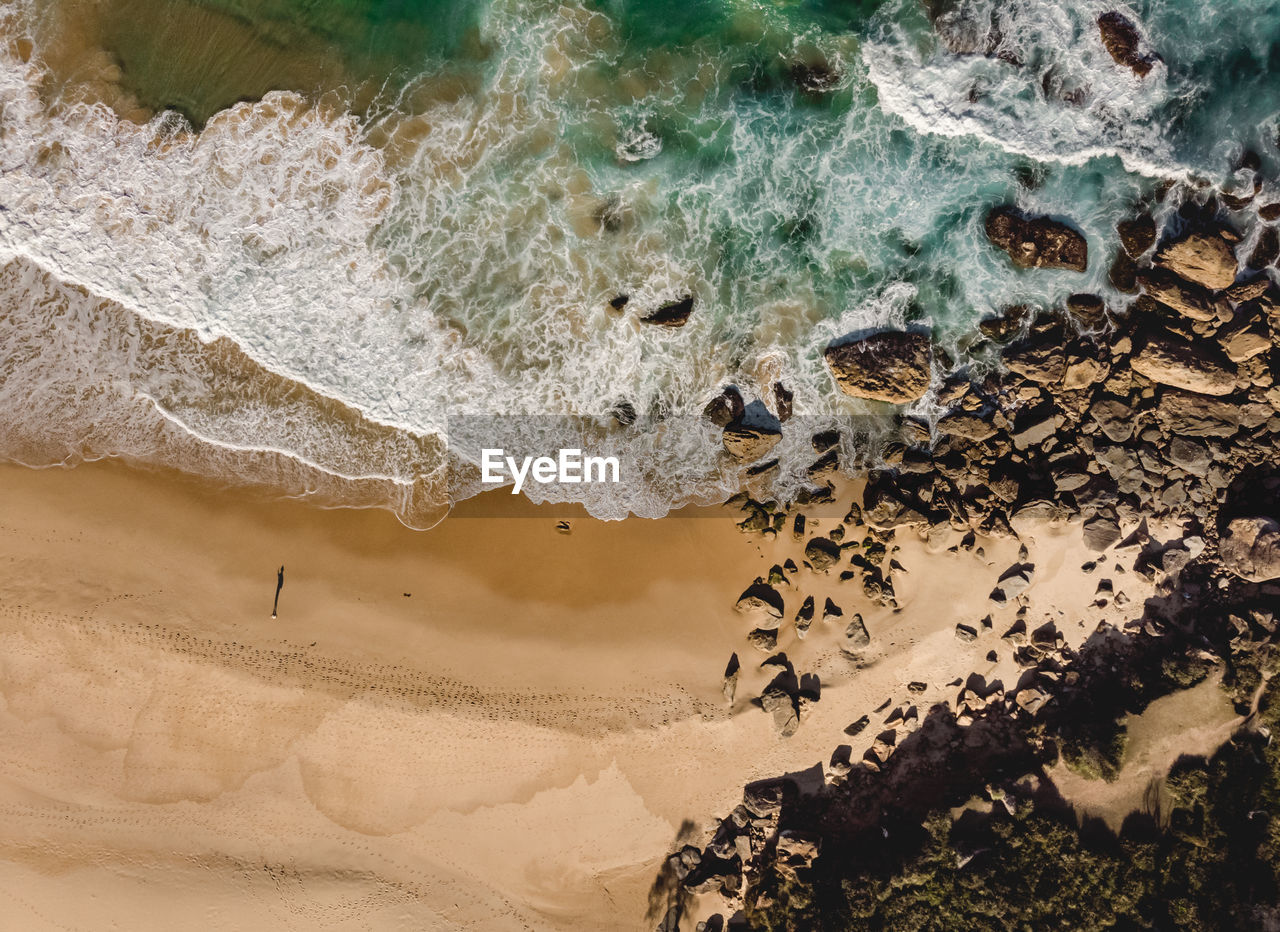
<point x="1164" y="412"/>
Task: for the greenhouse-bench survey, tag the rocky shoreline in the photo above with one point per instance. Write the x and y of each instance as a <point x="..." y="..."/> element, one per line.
<point x="1164" y="412"/>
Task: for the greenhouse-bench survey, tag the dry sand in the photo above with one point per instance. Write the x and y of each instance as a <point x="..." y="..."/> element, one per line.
<point x="516" y="743"/>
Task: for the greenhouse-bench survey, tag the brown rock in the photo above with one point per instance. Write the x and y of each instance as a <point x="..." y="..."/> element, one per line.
<point x="752" y="434"/>
<point x="1204" y="258"/>
<point x="1197" y="416"/>
<point x="1137" y="235"/>
<point x="1250" y="548"/>
<point x="1038" y="360"/>
<point x="892" y="365"/>
<point x="1037" y="242"/>
<point x="1170" y="360"/>
<point x="1187" y="299"/>
<point x="1121" y="38"/>
<point x="673" y="314"/>
<point x="966" y="425"/>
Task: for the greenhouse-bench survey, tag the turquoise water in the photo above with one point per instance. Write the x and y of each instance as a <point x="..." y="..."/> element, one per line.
<point x="433" y="225"/>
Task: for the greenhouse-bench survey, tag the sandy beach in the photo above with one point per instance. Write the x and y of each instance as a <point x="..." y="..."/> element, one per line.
<point x="490" y="725"/>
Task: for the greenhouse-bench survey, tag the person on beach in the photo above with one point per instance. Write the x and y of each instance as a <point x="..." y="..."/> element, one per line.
<point x="279" y="585"/>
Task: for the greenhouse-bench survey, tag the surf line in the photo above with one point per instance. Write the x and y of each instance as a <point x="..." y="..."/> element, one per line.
<point x="567" y="466"/>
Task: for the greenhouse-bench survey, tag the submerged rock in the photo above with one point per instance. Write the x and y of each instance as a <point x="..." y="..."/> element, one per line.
<point x="891" y="365"/>
<point x="1037" y="242"/>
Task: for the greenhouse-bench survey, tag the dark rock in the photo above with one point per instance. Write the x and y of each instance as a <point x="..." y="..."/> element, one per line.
<point x="891" y="365"/>
<point x="1189" y="456"/>
<point x="723" y="408"/>
<point x="1266" y="250"/>
<point x="822" y="553"/>
<point x="1137" y="235"/>
<point x="1005" y="325"/>
<point x="1121" y="38"/>
<point x="1101" y="531"/>
<point x="1088" y="309"/>
<point x="762" y="603"/>
<point x="619" y="302"/>
<point x="782" y="399"/>
<point x="1114" y="417"/>
<point x="673" y="314"/>
<point x="1036" y="242"/>
<point x="815" y="77"/>
<point x="966" y="632"/>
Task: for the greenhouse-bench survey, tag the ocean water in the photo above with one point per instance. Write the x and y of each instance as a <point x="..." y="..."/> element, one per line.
<point x="314" y="246"/>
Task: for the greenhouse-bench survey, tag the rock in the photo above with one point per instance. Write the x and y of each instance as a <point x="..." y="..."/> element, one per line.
<point x="831" y="611"/>
<point x="966" y="633"/>
<point x="1015" y="580"/>
<point x="855" y="633"/>
<point x="1170" y="360"/>
<point x="1114" y="418"/>
<point x="1121" y="38"/>
<point x="1182" y="296"/>
<point x="752" y="434"/>
<point x="1101" y="531"/>
<point x="1081" y="373"/>
<point x="822" y="553"/>
<point x="672" y="314"/>
<point x="730" y="686"/>
<point x="763" y="800"/>
<point x="1034" y="428"/>
<point x="804" y="617"/>
<point x="1197" y="416"/>
<point x="1245" y="292"/>
<point x="1089" y="309"/>
<point x="1038" y="360"/>
<point x="782" y="398"/>
<point x="1205" y="258"/>
<point x="891" y="365"/>
<point x="723" y="408"/>
<point x="762" y="604"/>
<point x="1137" y="235"/>
<point x="1250" y="548"/>
<point x="815" y="78"/>
<point x="1243" y="343"/>
<point x="1003" y="326"/>
<point x="965" y="425"/>
<point x="1266" y="250"/>
<point x="782" y="706"/>
<point x="764" y="639"/>
<point x="797" y="851"/>
<point x="1036" y="242"/>
<point x="618" y="302"/>
<point x="1189" y="456"/>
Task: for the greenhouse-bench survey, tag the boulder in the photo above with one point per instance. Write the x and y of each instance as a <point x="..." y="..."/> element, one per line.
<point x="855" y="633"/>
<point x="1101" y="531"/>
<point x="1250" y="548"/>
<point x="822" y="553"/>
<point x="763" y="604"/>
<point x="1189" y="456"/>
<point x="1114" y="417"/>
<point x="797" y="851"/>
<point x="1205" y="258"/>
<point x="672" y="314"/>
<point x="1137" y="235"/>
<point x="1196" y="416"/>
<point x="967" y="426"/>
<point x="1189" y="300"/>
<point x="1170" y="360"/>
<point x="1038" y="360"/>
<point x="752" y="434"/>
<point x="782" y="706"/>
<point x="1120" y="36"/>
<point x="1037" y="242"/>
<point x="723" y="408"/>
<point x="890" y="365"/>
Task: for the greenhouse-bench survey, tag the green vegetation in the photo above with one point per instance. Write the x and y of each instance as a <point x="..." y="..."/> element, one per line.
<point x="1206" y="858"/>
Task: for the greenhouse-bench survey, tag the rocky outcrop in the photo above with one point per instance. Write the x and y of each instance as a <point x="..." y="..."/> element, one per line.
<point x="1123" y="43"/>
<point x="1189" y="300"/>
<point x="889" y="365"/>
<point x="1037" y="242"/>
<point x="1250" y="548"/>
<point x="1205" y="258"/>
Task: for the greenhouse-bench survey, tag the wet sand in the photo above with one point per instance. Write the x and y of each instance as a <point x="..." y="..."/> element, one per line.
<point x="515" y="743"/>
